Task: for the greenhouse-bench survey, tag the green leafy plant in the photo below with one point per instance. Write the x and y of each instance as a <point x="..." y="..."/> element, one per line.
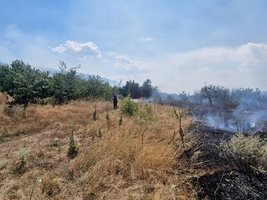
<point x="129" y="107"/>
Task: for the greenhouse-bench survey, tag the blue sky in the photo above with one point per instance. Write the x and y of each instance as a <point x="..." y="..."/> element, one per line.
<point x="178" y="44"/>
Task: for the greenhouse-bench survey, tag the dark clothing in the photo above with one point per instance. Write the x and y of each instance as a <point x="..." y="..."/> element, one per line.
<point x="115" y="102"/>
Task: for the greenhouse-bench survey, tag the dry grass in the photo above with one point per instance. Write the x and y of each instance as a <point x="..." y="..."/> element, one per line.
<point x="3" y="98"/>
<point x="246" y="153"/>
<point x="133" y="161"/>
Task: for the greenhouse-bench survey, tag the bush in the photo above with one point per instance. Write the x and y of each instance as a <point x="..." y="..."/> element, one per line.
<point x="50" y="185"/>
<point x="246" y="153"/>
<point x="21" y="165"/>
<point x="129" y="107"/>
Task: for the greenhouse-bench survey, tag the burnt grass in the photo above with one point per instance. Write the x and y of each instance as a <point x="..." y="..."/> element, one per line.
<point x="231" y="185"/>
<point x="221" y="182"/>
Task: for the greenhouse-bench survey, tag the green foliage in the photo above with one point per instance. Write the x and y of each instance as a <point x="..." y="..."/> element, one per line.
<point x="24" y="83"/>
<point x="5" y="79"/>
<point x="65" y="85"/>
<point x="217" y="95"/>
<point x="135" y="91"/>
<point x="129" y="107"/>
<point x="28" y="85"/>
<point x="131" y="88"/>
<point x="147" y="89"/>
<point x="97" y="88"/>
<point x="73" y="147"/>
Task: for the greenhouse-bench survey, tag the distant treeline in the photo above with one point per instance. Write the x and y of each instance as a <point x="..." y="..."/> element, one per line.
<point x="26" y="84"/>
<point x="217" y="97"/>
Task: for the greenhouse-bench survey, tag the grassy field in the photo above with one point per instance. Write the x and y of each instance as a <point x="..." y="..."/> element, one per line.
<point x="134" y="160"/>
<point x="138" y="157"/>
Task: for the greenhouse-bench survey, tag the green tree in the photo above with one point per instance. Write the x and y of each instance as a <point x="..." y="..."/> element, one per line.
<point x="131" y="88"/>
<point x="208" y="92"/>
<point x="147" y="88"/>
<point x="24" y="83"/>
<point x="97" y="88"/>
<point x="5" y="74"/>
<point x="65" y="84"/>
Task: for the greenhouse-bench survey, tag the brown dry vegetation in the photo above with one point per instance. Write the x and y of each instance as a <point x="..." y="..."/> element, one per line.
<point x="137" y="160"/>
<point x="140" y="159"/>
<point x="3" y="98"/>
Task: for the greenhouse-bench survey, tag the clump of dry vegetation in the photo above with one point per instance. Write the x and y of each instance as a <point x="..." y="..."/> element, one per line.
<point x="129" y="160"/>
<point x="246" y="153"/>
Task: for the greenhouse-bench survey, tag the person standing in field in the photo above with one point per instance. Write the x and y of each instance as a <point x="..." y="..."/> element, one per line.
<point x="115" y="101"/>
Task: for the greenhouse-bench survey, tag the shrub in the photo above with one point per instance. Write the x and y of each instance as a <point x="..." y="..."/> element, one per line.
<point x="129" y="107"/>
<point x="73" y="147"/>
<point x="50" y="185"/>
<point x="246" y="153"/>
<point x="21" y="165"/>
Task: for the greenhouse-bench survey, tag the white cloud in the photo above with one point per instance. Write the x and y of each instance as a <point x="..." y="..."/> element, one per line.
<point x="123" y="60"/>
<point x="128" y="64"/>
<point x="147" y="39"/>
<point x="76" y="47"/>
<point x="242" y="66"/>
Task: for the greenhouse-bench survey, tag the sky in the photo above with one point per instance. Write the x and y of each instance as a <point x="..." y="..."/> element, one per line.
<point x="180" y="45"/>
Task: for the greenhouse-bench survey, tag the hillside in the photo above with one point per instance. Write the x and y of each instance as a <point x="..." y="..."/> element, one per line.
<point x="82" y="75"/>
<point x="143" y="158"/>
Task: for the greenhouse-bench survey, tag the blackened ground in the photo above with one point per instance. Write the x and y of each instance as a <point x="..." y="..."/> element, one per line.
<point x="224" y="185"/>
<point x="219" y="180"/>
